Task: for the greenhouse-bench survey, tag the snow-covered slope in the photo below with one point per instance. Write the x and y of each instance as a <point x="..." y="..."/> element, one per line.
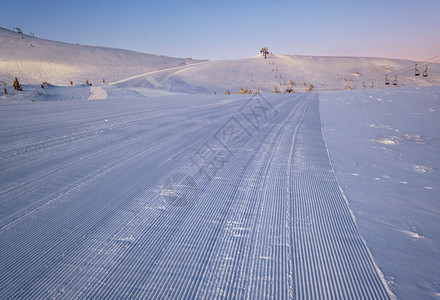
<point x="87" y="208"/>
<point x="35" y="60"/>
<point x="324" y="73"/>
<point x="385" y="149"/>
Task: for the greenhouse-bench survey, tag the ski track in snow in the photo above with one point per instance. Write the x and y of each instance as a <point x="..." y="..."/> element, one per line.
<point x="97" y="93"/>
<point x="82" y="216"/>
<point x="150" y="78"/>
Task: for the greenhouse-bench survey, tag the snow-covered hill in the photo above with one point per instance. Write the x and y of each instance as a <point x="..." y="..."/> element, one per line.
<point x="35" y="60"/>
<point x="324" y="73"/>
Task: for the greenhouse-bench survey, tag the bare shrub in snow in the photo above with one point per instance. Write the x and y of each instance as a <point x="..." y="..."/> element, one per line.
<point x="244" y="91"/>
<point x="16" y="85"/>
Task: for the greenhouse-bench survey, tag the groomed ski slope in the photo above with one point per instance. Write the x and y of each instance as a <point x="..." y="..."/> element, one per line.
<point x="87" y="212"/>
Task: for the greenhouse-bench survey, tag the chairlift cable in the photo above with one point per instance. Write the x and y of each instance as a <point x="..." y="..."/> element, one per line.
<point x="406" y="69"/>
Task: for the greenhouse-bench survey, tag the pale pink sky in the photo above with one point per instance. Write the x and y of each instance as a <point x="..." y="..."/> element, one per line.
<point x="238" y="28"/>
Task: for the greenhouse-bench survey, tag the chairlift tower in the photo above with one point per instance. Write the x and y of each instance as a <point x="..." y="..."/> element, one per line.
<point x="265" y="51"/>
<point x="19" y="32"/>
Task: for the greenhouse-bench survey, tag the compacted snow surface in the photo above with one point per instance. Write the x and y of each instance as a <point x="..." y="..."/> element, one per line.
<point x="147" y="192"/>
<point x="84" y="213"/>
<point x="87" y="209"/>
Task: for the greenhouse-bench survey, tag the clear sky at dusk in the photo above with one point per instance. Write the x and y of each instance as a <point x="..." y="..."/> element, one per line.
<point x="237" y="29"/>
